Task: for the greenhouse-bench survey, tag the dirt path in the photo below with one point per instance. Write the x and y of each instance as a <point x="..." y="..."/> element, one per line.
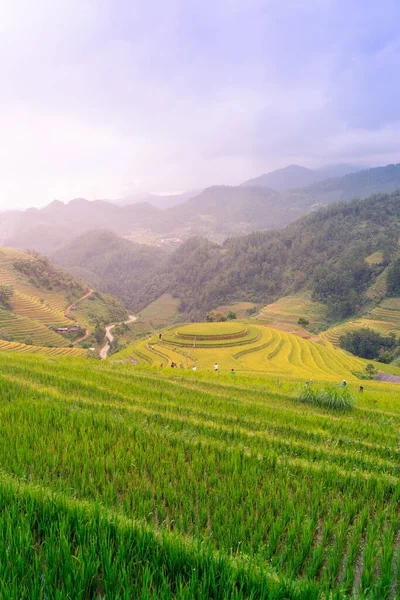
<point x="387" y="377"/>
<point x="105" y="349"/>
<point x="67" y="314"/>
<point x="89" y="293"/>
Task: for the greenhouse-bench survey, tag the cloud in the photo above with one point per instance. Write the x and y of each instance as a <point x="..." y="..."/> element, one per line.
<point x="99" y="96"/>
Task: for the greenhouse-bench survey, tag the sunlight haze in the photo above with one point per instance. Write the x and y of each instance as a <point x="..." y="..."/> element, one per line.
<point x="103" y="99"/>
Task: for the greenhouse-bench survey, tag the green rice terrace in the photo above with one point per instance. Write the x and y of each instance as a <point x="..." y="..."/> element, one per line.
<point x="122" y="481"/>
<point x="210" y="335"/>
<point x="247" y="348"/>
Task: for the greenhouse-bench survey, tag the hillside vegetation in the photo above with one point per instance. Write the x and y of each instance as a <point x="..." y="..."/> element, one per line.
<point x="114" y="264"/>
<point x="324" y="254"/>
<point x="144" y="484"/>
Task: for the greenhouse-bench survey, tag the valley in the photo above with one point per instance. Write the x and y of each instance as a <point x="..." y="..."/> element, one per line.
<point x="225" y="446"/>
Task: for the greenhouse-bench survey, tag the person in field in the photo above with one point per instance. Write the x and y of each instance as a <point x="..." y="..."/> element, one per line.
<point x="233" y="372"/>
<point x="216" y="368"/>
<point x="194" y="368"/>
<point x="361" y="389"/>
<point x="344" y="383"/>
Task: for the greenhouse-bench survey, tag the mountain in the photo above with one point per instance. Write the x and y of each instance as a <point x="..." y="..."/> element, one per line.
<point x="111" y="263"/>
<point x="295" y="176"/>
<point x="49" y="228"/>
<point x="216" y="213"/>
<point x="339" y="170"/>
<point x="287" y="178"/>
<point x="356" y="185"/>
<point x="324" y="253"/>
<point x="161" y="201"/>
<point x="222" y="211"/>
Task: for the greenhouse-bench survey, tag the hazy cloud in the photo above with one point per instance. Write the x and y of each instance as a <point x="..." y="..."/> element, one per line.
<point x="99" y="98"/>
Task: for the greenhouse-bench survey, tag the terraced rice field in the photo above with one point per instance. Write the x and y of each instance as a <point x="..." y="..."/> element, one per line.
<point x="21" y="328"/>
<point x="7" y="276"/>
<point x="273" y="352"/>
<point x="31" y="307"/>
<point x="31" y="349"/>
<point x="385" y="318"/>
<point x="240" y="308"/>
<point x="212" y="335"/>
<point x="125" y="483"/>
<point x="161" y="312"/>
<point x="9" y="254"/>
<point x="287" y="311"/>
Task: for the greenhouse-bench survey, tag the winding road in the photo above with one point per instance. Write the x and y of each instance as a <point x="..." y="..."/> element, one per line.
<point x="105" y="349"/>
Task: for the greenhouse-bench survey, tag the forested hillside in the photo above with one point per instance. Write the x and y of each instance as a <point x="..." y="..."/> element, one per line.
<point x="325" y="252"/>
<point x="114" y="264"/>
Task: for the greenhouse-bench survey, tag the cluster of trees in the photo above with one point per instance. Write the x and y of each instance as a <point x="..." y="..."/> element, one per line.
<point x="369" y="344"/>
<point x="42" y="274"/>
<point x="218" y="316"/>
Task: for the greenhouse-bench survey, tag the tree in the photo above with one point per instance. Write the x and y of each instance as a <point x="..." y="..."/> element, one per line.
<point x="6" y="292"/>
<point x="231" y="315"/>
<point x="370" y="369"/>
<point x="393" y="279"/>
<point x="302" y="321"/>
<point x="99" y="333"/>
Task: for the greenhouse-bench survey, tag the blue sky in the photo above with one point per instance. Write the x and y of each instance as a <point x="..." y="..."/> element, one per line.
<point x="104" y="98"/>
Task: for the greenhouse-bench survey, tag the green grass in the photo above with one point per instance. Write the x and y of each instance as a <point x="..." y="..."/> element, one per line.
<point x="119" y="482"/>
<point x="375" y="259"/>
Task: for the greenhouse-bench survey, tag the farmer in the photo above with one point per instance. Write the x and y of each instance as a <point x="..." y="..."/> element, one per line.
<point x="343" y="384"/>
<point x="233" y="372"/>
<point x="216" y="369"/>
<point x="194" y="368"/>
<point x="361" y="388"/>
<point x="160" y="336"/>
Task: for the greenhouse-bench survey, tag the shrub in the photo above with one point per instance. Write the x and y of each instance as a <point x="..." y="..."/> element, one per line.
<point x="329" y="396"/>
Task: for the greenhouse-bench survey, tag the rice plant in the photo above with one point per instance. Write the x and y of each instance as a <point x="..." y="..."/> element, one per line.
<point x="329" y="396"/>
<point x="137" y="482"/>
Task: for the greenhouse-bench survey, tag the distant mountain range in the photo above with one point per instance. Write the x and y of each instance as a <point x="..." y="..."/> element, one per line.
<point x="295" y="176"/>
<point x="216" y="213"/>
<point x="162" y="201"/>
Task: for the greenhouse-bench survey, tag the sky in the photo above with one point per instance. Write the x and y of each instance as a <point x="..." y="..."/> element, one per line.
<point x="105" y="98"/>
